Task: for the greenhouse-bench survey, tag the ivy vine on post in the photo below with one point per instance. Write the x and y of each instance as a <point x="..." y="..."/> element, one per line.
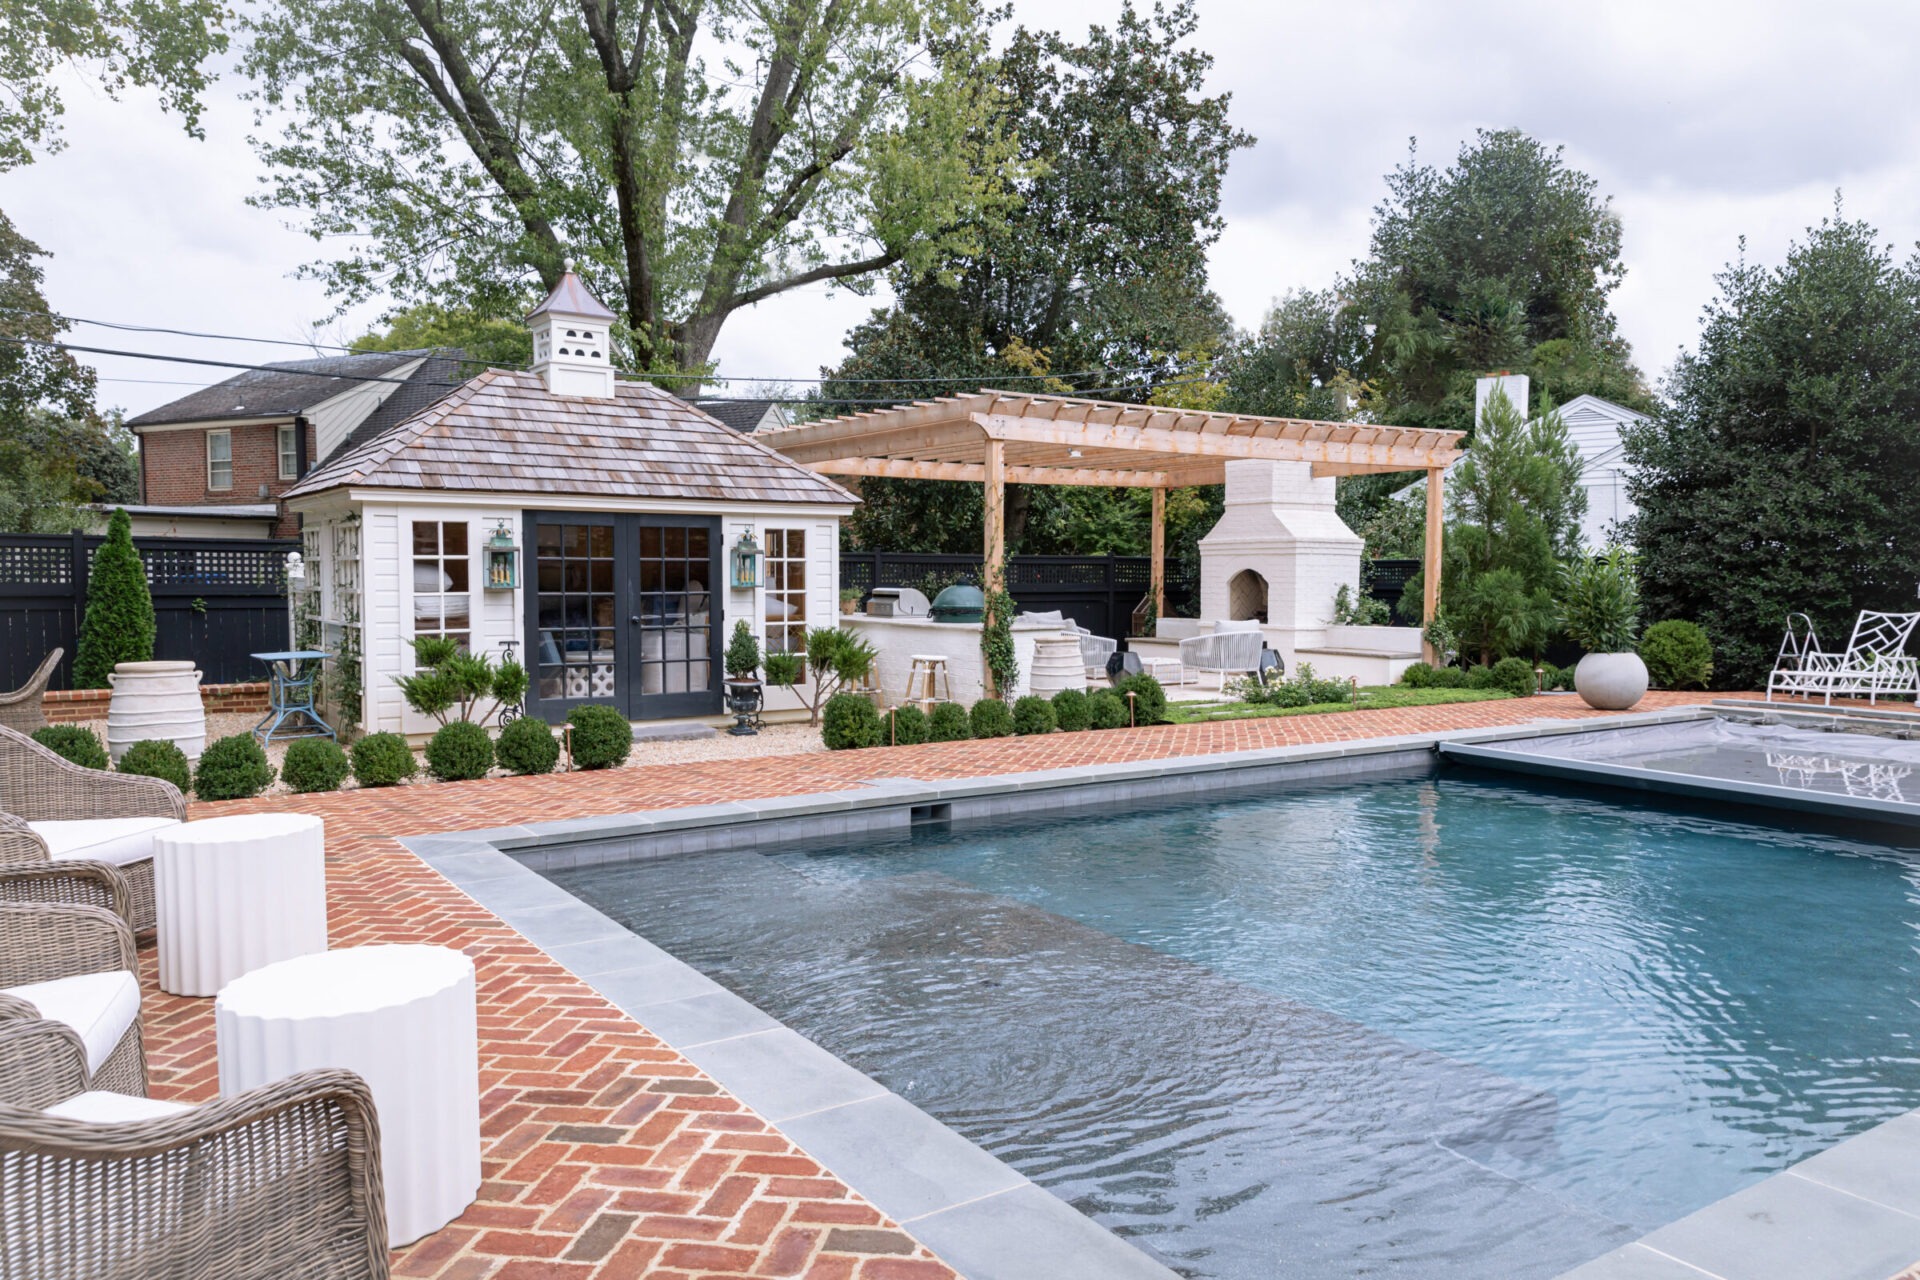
<point x="996" y="637"/>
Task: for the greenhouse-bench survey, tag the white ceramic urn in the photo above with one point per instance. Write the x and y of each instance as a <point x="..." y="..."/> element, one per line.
<point x="156" y="700"/>
<point x="1610" y="681"/>
<point x="1056" y="666"/>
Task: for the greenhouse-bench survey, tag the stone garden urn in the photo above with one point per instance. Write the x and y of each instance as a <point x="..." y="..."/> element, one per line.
<point x="1610" y="681"/>
<point x="155" y="700"/>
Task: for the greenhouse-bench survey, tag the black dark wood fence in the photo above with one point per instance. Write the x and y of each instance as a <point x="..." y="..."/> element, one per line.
<point x="1387" y="580"/>
<point x="215" y="601"/>
<point x="1098" y="592"/>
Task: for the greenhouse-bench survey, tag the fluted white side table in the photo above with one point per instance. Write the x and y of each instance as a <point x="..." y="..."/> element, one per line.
<point x="403" y="1018"/>
<point x="231" y="894"/>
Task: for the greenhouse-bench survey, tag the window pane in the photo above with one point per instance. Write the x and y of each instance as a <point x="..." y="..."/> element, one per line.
<point x="796" y="542"/>
<point x="574" y="541"/>
<point x="220" y="446"/>
<point x="456" y="574"/>
<point x="650" y="543"/>
<point x="797" y="575"/>
<point x="600" y="540"/>
<point x="453" y="538"/>
<point x="697" y="543"/>
<point x="776" y="541"/>
<point x="426" y="537"/>
<point x="602" y="577"/>
<point x="676" y="541"/>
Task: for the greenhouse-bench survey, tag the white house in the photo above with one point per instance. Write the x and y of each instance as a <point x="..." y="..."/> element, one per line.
<point x="583" y="523"/>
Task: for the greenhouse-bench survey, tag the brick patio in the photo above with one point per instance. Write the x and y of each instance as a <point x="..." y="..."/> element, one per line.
<point x="607" y="1154"/>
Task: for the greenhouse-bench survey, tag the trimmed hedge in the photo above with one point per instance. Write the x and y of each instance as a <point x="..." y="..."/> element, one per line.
<point x="1070" y="710"/>
<point x="1678" y="655"/>
<point x="74" y="742"/>
<point x="527" y="745"/>
<point x="1514" y="675"/>
<point x="383" y="760"/>
<point x="849" y="722"/>
<point x="602" y="738"/>
<point x="1034" y="714"/>
<point x="908" y="727"/>
<point x="949" y="723"/>
<point x="314" y="764"/>
<point x="158" y="758"/>
<point x="459" y="751"/>
<point x="991" y="718"/>
<point x="1480" y="678"/>
<point x="1105" y="710"/>
<point x="1149" y="698"/>
<point x="1418" y="676"/>
<point x="233" y="768"/>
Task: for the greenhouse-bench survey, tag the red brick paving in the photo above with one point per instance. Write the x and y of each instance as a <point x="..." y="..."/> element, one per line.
<point x="606" y="1153"/>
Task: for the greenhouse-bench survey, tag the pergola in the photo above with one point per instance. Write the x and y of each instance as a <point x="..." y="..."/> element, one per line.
<point x="997" y="438"/>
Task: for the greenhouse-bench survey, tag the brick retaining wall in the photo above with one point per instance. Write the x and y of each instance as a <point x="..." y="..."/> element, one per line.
<point x="76" y="706"/>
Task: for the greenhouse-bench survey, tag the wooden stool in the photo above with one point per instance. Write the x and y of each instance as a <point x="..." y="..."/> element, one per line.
<point x="929" y="670"/>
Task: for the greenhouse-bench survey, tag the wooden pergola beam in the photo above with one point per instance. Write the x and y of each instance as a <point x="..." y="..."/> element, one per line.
<point x="1340" y="457"/>
<point x="976" y="473"/>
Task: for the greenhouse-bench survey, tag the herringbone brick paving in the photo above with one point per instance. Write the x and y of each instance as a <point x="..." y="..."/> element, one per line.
<point x="607" y="1154"/>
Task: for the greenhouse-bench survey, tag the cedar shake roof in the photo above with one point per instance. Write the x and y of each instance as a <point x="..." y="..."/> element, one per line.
<point x="285" y="388"/>
<point x="503" y="432"/>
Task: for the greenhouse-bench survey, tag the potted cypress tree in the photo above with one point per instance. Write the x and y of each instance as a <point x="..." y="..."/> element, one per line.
<point x="1600" y="605"/>
<point x="744" y="694"/>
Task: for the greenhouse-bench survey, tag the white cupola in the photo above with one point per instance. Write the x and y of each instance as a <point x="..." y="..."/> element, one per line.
<point x="572" y="348"/>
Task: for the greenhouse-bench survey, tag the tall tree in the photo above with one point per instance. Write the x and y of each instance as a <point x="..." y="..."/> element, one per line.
<point x="485" y="341"/>
<point x="39" y="483"/>
<point x="468" y="150"/>
<point x="1779" y="476"/>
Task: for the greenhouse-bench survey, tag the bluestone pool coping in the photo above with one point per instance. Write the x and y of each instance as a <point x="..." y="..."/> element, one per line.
<point x="1854" y="1208"/>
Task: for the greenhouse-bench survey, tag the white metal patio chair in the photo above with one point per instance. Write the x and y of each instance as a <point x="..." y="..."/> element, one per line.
<point x="1231" y="649"/>
<point x="1875" y="661"/>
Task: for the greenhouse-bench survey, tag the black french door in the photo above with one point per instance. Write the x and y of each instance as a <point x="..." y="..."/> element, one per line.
<point x="623" y="610"/>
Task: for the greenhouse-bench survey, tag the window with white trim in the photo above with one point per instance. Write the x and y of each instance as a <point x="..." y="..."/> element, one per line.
<point x="786" y="601"/>
<point x="289" y="449"/>
<point x="219" y="459"/>
<point x="442" y="605"/>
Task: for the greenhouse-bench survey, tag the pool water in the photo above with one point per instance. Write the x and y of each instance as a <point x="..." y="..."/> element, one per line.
<point x="1425" y="1027"/>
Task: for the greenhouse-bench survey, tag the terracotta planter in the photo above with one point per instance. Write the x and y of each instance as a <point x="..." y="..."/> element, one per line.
<point x="159" y="700"/>
<point x="1610" y="681"/>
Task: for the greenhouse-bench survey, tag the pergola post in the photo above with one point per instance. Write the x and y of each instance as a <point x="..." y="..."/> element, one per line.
<point x="1430" y="568"/>
<point x="1158" y="576"/>
<point x="996" y="522"/>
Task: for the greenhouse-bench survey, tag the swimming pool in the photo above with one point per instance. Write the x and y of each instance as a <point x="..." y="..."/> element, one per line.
<point x="1423" y="1027"/>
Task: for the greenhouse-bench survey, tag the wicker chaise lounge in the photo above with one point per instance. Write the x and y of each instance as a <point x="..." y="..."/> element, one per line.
<point x="279" y="1182"/>
<point x="52" y="809"/>
<point x="20" y="709"/>
<point x="76" y="964"/>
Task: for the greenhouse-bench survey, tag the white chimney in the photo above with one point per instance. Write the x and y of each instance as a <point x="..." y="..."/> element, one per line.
<point x="572" y="348"/>
<point x="1514" y="384"/>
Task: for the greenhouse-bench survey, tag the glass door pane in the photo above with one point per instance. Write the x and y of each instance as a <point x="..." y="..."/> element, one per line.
<point x="675" y="568"/>
<point x="574" y="612"/>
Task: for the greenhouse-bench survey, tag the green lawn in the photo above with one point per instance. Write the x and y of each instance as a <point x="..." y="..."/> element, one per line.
<point x="1372" y="698"/>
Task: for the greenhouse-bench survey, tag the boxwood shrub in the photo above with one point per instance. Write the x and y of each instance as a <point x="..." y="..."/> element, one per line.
<point x="1034" y="714"/>
<point x="1105" y="710"/>
<point x="909" y="727"/>
<point x="314" y="764"/>
<point x="233" y="768"/>
<point x="1418" y="676"/>
<point x="1480" y="678"/>
<point x="991" y="718"/>
<point x="158" y="758"/>
<point x="602" y="738"/>
<point x="75" y="742"/>
<point x="527" y="745"/>
<point x="383" y="760"/>
<point x="459" y="751"/>
<point x="1514" y="675"/>
<point x="1070" y="710"/>
<point x="1678" y="655"/>
<point x="949" y="723"/>
<point x="849" y="722"/>
<point x="1149" y="697"/>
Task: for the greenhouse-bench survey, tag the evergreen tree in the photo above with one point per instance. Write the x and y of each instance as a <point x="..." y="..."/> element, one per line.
<point x="119" y="625"/>
<point x="1780" y="476"/>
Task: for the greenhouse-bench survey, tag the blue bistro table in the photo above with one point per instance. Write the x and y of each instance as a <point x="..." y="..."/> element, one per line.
<point x="290" y="696"/>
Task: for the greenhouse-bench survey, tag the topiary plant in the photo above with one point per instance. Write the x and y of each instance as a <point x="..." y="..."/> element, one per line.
<point x="527" y="746"/>
<point x="459" y="751"/>
<point x="1449" y="678"/>
<point x="119" y="624"/>
<point x="1480" y="678"/>
<point x="743" y="652"/>
<point x="383" y="760"/>
<point x="74" y="742"/>
<point x="314" y="764"/>
<point x="1678" y="655"/>
<point x="1105" y="710"/>
<point x="907" y="726"/>
<point x="1034" y="714"/>
<point x="991" y="718"/>
<point x="1070" y="710"/>
<point x="949" y="722"/>
<point x="602" y="738"/>
<point x="1514" y="675"/>
<point x="158" y="758"/>
<point x="1418" y="676"/>
<point x="848" y="721"/>
<point x="1149" y="698"/>
<point x="233" y="768"/>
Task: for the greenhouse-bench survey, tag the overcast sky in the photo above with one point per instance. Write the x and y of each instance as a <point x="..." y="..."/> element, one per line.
<point x="1703" y="122"/>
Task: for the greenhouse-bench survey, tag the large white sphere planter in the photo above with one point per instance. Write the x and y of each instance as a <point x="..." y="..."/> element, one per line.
<point x="1610" y="681"/>
<point x="156" y="700"/>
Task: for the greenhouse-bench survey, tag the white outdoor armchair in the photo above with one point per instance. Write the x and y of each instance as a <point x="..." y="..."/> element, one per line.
<point x="1875" y="661"/>
<point x="1231" y="649"/>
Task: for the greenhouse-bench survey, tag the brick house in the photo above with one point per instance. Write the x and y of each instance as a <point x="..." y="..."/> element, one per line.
<point x="216" y="462"/>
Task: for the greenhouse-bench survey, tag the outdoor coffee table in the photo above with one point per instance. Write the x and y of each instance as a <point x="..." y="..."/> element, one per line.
<point x="1165" y="670"/>
<point x="403" y="1018"/>
<point x="232" y="894"/>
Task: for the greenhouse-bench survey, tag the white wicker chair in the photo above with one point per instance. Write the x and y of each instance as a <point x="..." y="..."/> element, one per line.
<point x="1875" y="661"/>
<point x="1231" y="649"/>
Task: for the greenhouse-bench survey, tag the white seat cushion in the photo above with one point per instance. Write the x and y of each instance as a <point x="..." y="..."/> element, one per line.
<point x="100" y="1107"/>
<point x="115" y="840"/>
<point x="100" y="1006"/>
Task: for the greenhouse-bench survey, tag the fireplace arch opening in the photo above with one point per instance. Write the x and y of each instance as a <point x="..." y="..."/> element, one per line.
<point x="1247" y="597"/>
